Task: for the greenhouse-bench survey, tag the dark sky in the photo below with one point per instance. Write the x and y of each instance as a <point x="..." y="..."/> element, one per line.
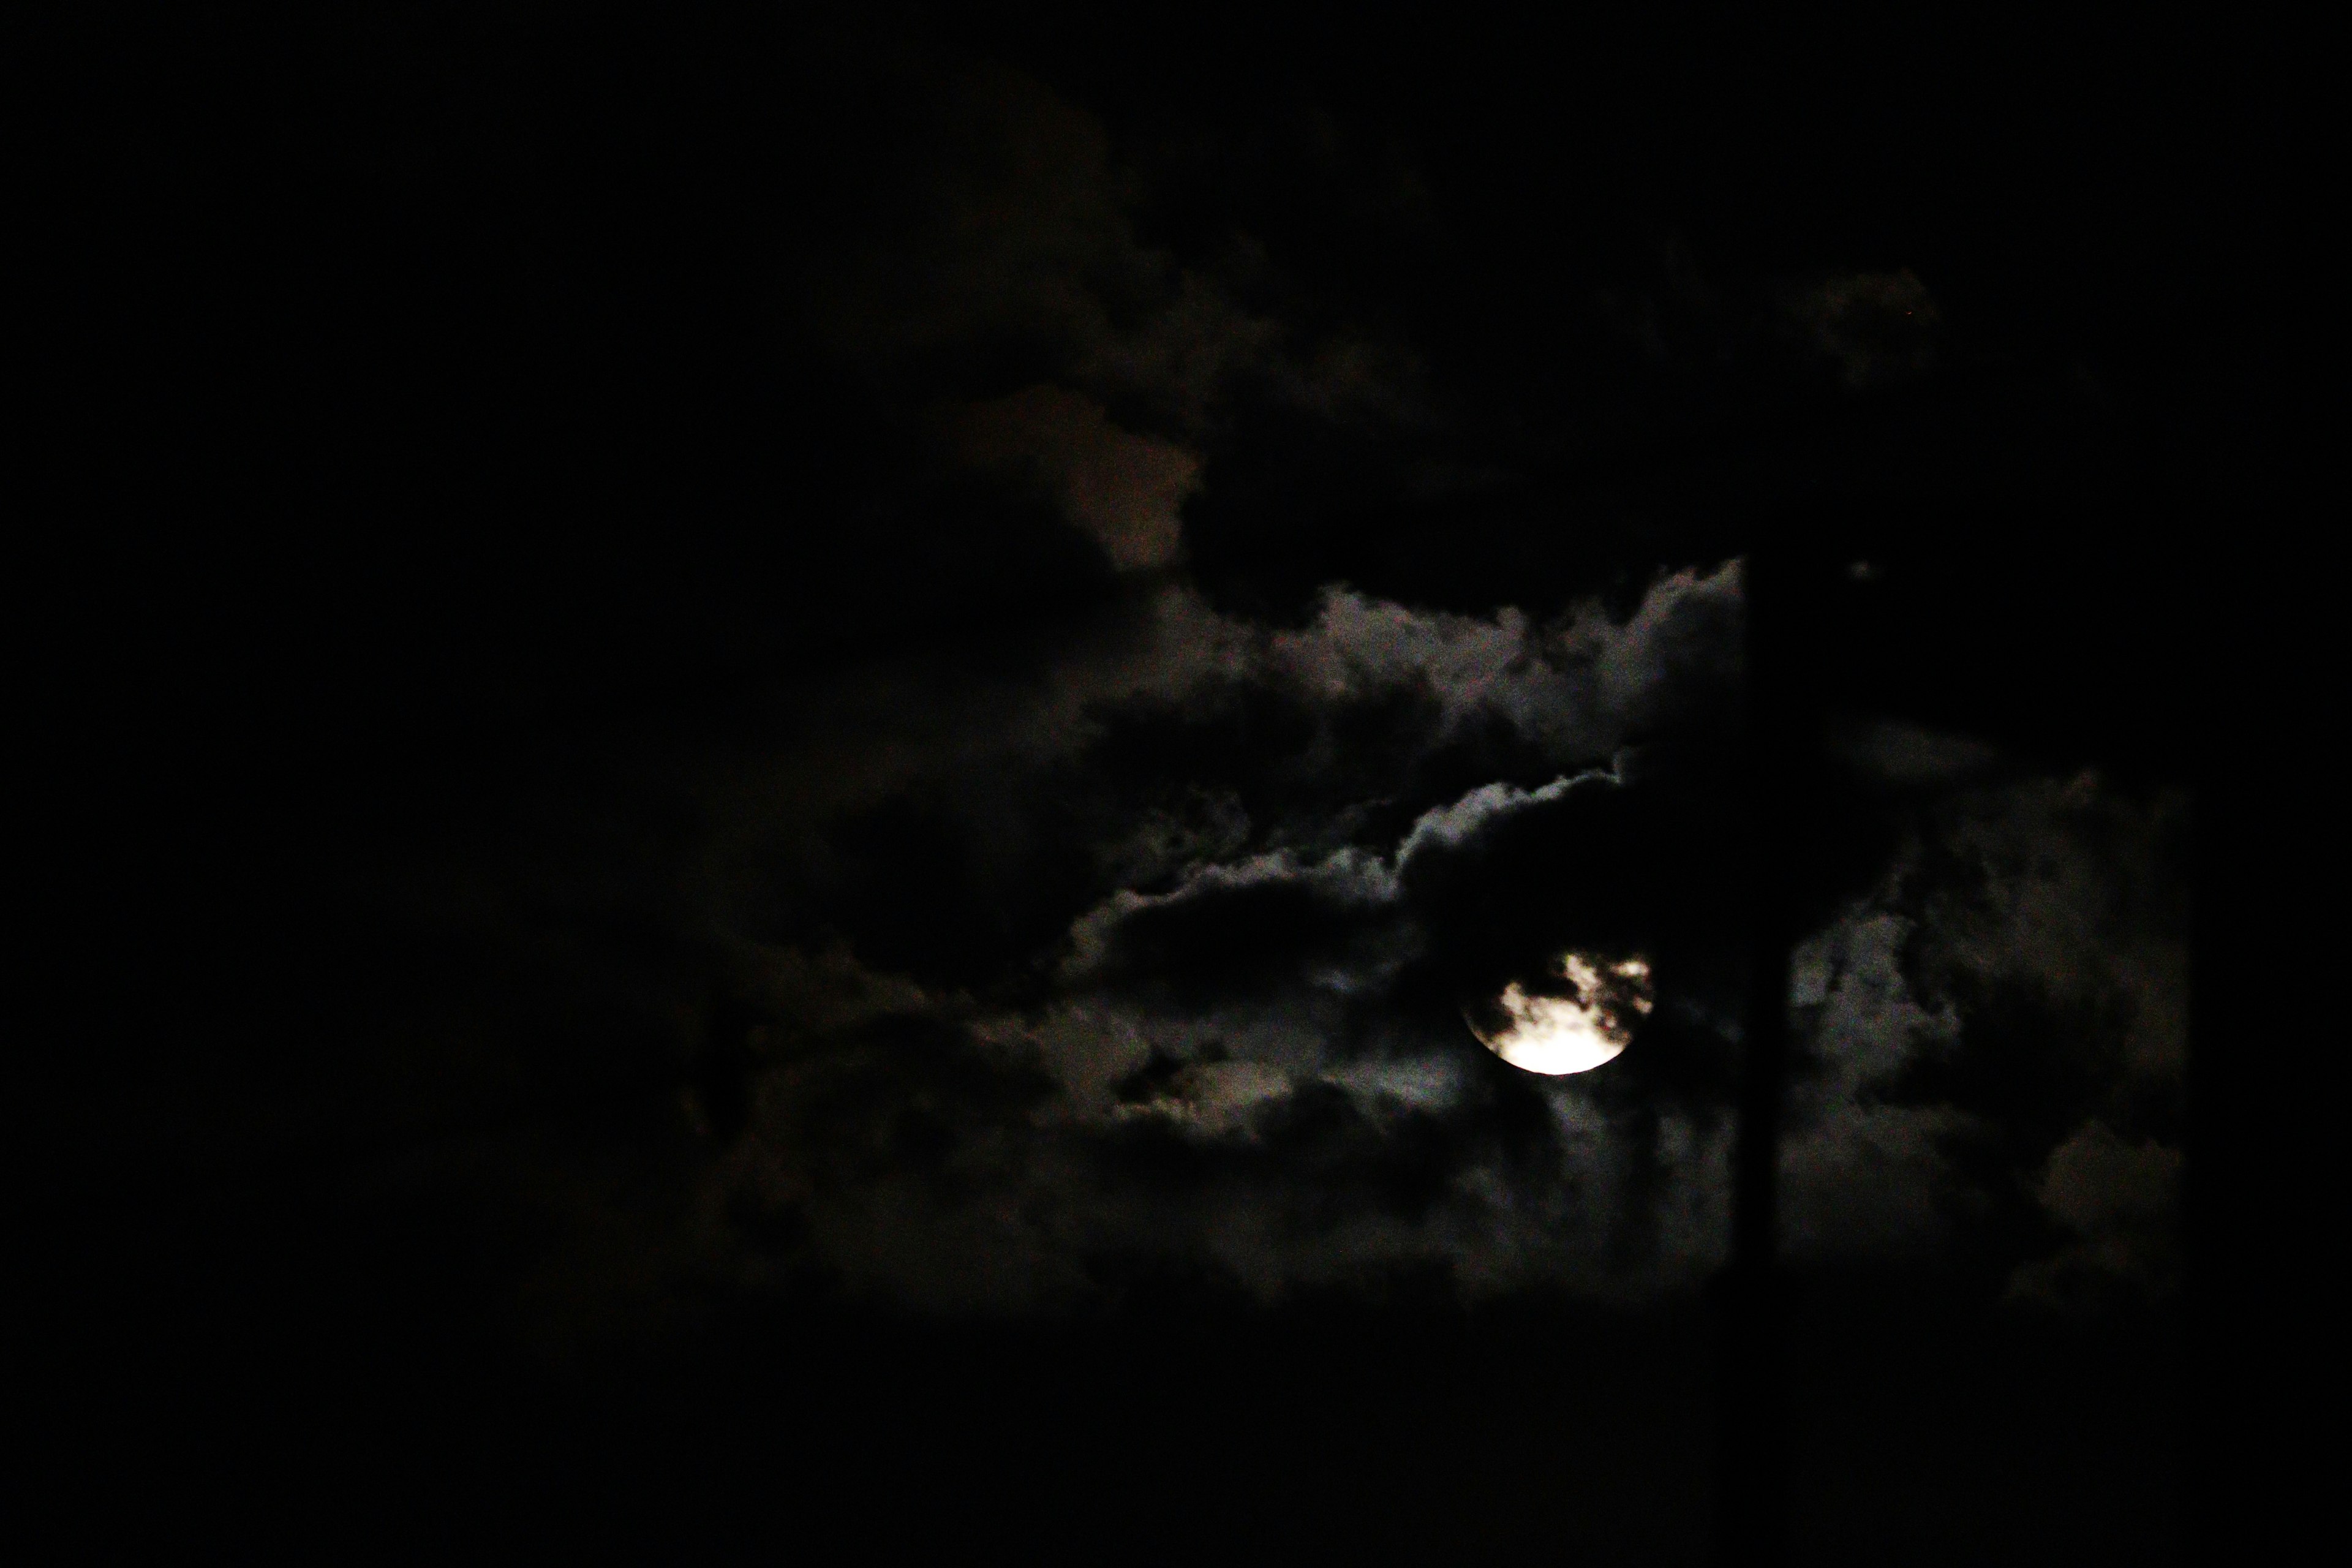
<point x="826" y="721"/>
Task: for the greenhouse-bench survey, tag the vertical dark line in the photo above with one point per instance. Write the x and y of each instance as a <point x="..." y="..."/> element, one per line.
<point x="1751" y="1472"/>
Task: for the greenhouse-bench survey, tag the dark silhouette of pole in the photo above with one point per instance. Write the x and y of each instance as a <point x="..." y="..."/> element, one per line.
<point x="1752" y="1524"/>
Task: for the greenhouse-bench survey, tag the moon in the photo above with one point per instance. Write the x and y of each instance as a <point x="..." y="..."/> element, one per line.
<point x="1558" y="1034"/>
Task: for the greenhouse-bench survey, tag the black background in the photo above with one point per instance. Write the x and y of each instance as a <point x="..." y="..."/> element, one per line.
<point x="491" y="289"/>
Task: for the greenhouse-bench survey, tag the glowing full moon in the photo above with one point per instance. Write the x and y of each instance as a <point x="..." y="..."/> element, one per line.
<point x="1556" y="1034"/>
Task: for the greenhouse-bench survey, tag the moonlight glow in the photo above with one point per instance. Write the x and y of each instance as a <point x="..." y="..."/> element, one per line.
<point x="1555" y="1035"/>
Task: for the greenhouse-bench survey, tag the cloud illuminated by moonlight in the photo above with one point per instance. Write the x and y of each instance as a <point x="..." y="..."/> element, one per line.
<point x="1556" y="1034"/>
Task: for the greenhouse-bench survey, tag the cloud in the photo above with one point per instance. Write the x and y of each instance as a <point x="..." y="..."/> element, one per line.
<point x="1243" y="1038"/>
<point x="1233" y="1071"/>
<point x="1237" y="926"/>
<point x="1977" y="1026"/>
<point x="2074" y="895"/>
<point x="2119" y="1202"/>
<point x="1232" y="1038"/>
<point x="1447" y="826"/>
<point x="1114" y="921"/>
<point x="1124" y="490"/>
<point x="1576" y="687"/>
<point x="2096" y="1181"/>
<point x="1010" y="886"/>
<point x="1860" y="1175"/>
<point x="1345" y="922"/>
<point x="1013" y="242"/>
<point x="1244" y="738"/>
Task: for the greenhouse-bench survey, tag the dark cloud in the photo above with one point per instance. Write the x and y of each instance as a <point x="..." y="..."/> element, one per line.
<point x="1126" y="490"/>
<point x="1277" y="1029"/>
<point x="927" y="678"/>
<point x="1952" y="1068"/>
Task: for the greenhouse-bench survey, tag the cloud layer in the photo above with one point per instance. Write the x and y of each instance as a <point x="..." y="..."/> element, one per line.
<point x="1048" y="849"/>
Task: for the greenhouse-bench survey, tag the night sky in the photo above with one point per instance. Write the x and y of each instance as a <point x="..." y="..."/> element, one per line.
<point x="830" y="727"/>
